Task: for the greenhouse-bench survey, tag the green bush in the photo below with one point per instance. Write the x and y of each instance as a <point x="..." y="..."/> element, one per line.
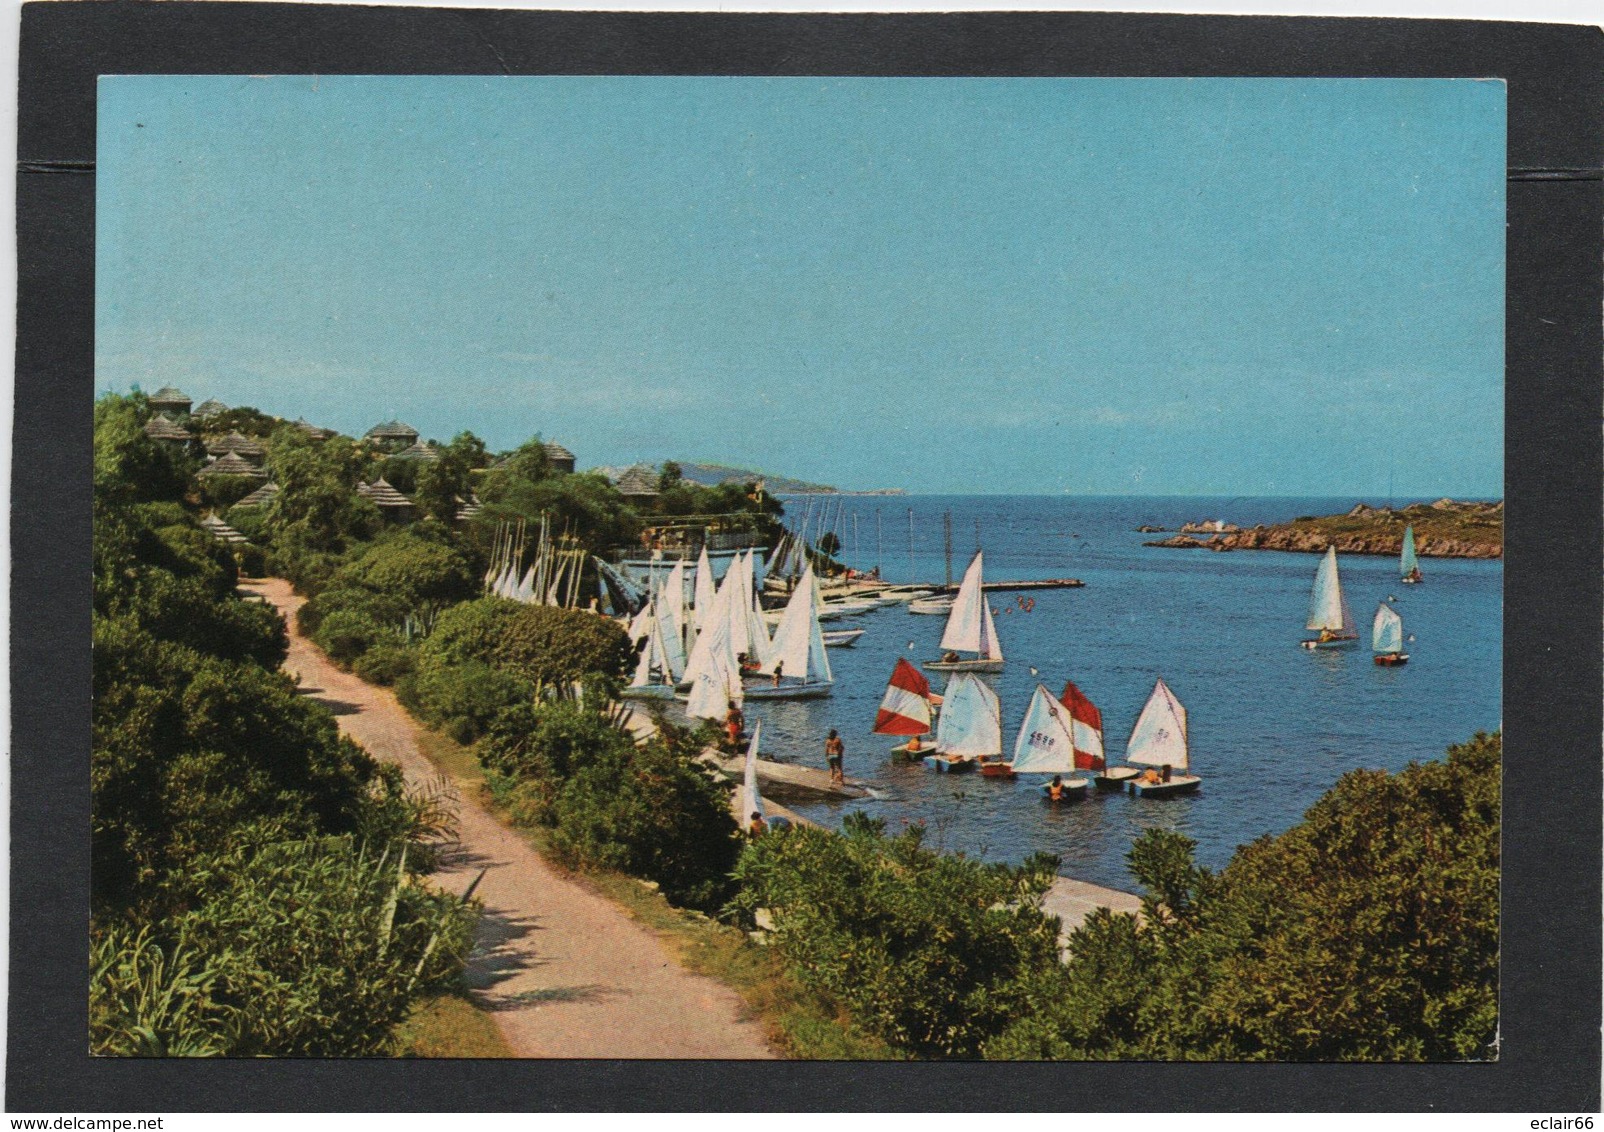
<point x="470" y="631"/>
<point x="461" y="699"/>
<point x="1368" y="932"/>
<point x="550" y="646"/>
<point x="311" y="949"/>
<point x="346" y="634"/>
<point x="413" y="571"/>
<point x="649" y="809"/>
<point x="935" y="954"/>
<point x="384" y="664"/>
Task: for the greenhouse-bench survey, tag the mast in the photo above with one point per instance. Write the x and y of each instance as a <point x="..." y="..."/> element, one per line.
<point x="879" y="541"/>
<point x="911" y="574"/>
<point x="946" y="543"/>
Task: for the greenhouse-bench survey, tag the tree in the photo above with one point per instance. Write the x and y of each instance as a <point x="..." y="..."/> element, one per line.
<point x="670" y="475"/>
<point x="444" y="484"/>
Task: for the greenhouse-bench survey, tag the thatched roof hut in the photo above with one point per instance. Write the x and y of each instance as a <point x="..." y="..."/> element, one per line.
<point x="231" y="464"/>
<point x="260" y="496"/>
<point x="221" y="531"/>
<point x="240" y="445"/>
<point x="313" y="430"/>
<point x="386" y="497"/>
<point x="419" y="451"/>
<point x="208" y="408"/>
<point x="169" y="400"/>
<point x="467" y="509"/>
<point x="560" y="459"/>
<point x="163" y="427"/>
<point x="638" y="483"/>
<point x="393" y="432"/>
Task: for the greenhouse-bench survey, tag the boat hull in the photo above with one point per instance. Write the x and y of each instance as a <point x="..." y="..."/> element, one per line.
<point x="902" y="752"/>
<point x="1072" y="791"/>
<point x="1115" y="778"/>
<point x="1339" y="643"/>
<point x="930" y="605"/>
<point x="963" y="665"/>
<point x="844" y="639"/>
<point x="961" y="764"/>
<point x="996" y="770"/>
<point x="787" y="691"/>
<point x="1180" y="784"/>
<point x="1392" y="660"/>
<point x="649" y="692"/>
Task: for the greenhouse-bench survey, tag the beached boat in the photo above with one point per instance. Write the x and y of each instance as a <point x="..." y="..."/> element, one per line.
<point x="797" y="663"/>
<point x="842" y="638"/>
<point x="751" y="802"/>
<point x="905" y="710"/>
<point x="1408" y="563"/>
<point x="1329" y="614"/>
<point x="1386" y="637"/>
<point x="662" y="659"/>
<point x="970" y="628"/>
<point x="941" y="603"/>
<point x="970" y="727"/>
<point x="1160" y="740"/>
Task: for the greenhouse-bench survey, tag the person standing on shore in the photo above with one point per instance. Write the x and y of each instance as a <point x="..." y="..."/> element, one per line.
<point x="835" y="752"/>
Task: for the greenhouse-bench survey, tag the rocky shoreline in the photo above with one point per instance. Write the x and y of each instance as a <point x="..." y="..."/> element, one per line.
<point x="1444" y="529"/>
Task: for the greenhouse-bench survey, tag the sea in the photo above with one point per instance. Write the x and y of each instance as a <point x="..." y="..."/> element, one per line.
<point x="1272" y="725"/>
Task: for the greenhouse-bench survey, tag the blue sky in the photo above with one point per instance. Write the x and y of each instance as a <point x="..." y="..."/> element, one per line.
<point x="1182" y="286"/>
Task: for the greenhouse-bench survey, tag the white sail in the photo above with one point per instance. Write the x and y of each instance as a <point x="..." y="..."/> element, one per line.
<point x="971" y="720"/>
<point x="1045" y="744"/>
<point x="965" y="623"/>
<point x="708" y="698"/>
<point x="1386" y="633"/>
<point x="704" y="586"/>
<point x="526" y="588"/>
<point x="712" y="637"/>
<point x="1327" y="608"/>
<point x="671" y="643"/>
<point x="1159" y="738"/>
<point x="798" y="644"/>
<point x="751" y="800"/>
<point x="641" y="623"/>
<point x="673" y="595"/>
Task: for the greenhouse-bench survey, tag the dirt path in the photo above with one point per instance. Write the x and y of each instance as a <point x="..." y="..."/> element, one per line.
<point x="566" y="972"/>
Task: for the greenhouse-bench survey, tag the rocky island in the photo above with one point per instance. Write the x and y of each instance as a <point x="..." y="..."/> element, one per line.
<point x="1444" y="529"/>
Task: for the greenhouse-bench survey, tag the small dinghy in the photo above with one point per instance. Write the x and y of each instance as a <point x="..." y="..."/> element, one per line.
<point x="1328" y="609"/>
<point x="796" y="660"/>
<point x="970" y="728"/>
<point x="1159" y="741"/>
<point x="662" y="655"/>
<point x="970" y="629"/>
<point x="905" y="710"/>
<point x="842" y="638"/>
<point x="1386" y="637"/>
<point x="940" y="604"/>
<point x="1045" y="745"/>
<point x="1408" y="563"/>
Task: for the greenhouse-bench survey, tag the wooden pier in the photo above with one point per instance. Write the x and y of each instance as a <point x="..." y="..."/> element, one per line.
<point x="1035" y="584"/>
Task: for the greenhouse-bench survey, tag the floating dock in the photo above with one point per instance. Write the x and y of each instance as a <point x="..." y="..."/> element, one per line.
<point x="1035" y="584"/>
<point x="787" y="780"/>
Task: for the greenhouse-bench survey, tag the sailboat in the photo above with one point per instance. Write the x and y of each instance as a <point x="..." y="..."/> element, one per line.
<point x="970" y="628"/>
<point x="1386" y="637"/>
<point x="716" y="690"/>
<point x="656" y="671"/>
<point x="751" y="802"/>
<point x="796" y="656"/>
<point x="1045" y="745"/>
<point x="905" y="709"/>
<point x="1408" y="563"/>
<point x="1328" y="609"/>
<point x="1160" y="740"/>
<point x="970" y="728"/>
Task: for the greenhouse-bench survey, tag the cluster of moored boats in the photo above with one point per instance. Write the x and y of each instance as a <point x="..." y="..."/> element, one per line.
<point x="710" y="645"/>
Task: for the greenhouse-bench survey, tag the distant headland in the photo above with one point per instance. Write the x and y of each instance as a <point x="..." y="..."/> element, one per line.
<point x="710" y="475"/>
<point x="1444" y="529"/>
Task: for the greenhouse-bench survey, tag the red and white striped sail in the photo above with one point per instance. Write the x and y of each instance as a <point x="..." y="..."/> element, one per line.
<point x="906" y="707"/>
<point x="1086" y="724"/>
